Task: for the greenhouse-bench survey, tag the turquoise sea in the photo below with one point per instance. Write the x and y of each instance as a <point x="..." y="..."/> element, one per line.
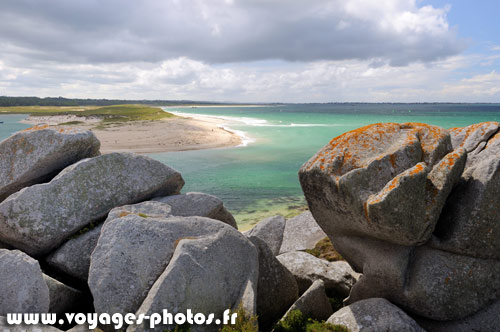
<point x="260" y="179"/>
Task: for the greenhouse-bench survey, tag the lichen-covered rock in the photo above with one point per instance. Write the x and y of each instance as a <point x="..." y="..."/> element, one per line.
<point x="276" y="288"/>
<point x="39" y="218"/>
<point x="337" y="276"/>
<point x="63" y="299"/>
<point x="22" y="287"/>
<point x="301" y="233"/>
<point x="376" y="180"/>
<point x="39" y="153"/>
<point x="313" y="303"/>
<point x="270" y="230"/>
<point x="199" y="204"/>
<point x="209" y="274"/>
<point x="132" y="252"/>
<point x="375" y="314"/>
<point x="415" y="210"/>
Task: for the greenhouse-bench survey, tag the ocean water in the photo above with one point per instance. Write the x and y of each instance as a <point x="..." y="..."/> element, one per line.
<point x="260" y="179"/>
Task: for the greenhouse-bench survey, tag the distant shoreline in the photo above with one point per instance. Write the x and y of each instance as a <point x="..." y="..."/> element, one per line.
<point x="165" y="135"/>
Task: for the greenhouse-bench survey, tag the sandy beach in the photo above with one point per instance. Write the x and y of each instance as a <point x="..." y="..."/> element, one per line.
<point x="167" y="135"/>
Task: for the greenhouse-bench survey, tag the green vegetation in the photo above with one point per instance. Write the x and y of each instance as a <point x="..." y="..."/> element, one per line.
<point x="107" y="114"/>
<point x="71" y="123"/>
<point x="244" y="322"/>
<point x="337" y="302"/>
<point x="295" y="321"/>
<point x="182" y="328"/>
<point x="324" y="249"/>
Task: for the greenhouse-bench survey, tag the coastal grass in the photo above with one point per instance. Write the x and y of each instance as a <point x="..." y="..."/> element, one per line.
<point x="324" y="249"/>
<point x="296" y="321"/>
<point x="107" y="114"/>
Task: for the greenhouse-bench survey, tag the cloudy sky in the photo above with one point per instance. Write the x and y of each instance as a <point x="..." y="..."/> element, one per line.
<point x="252" y="50"/>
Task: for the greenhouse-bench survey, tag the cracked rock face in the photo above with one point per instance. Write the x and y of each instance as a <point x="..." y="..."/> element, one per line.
<point x="413" y="207"/>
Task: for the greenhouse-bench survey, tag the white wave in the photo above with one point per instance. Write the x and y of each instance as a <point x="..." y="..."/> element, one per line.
<point x="245" y="139"/>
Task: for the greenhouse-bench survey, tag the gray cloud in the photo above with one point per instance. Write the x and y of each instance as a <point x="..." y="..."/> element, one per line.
<point x="396" y="32"/>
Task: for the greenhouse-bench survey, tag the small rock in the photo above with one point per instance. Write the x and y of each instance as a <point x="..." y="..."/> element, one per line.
<point x="63" y="299"/>
<point x="22" y="287"/>
<point x="374" y="315"/>
<point x="301" y="233"/>
<point x="276" y="288"/>
<point x="338" y="276"/>
<point x="270" y="230"/>
<point x="39" y="153"/>
<point x="199" y="204"/>
<point x="73" y="257"/>
<point x="313" y="303"/>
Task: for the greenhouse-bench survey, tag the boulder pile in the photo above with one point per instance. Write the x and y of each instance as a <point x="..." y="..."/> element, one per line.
<point x="82" y="232"/>
<point x="415" y="208"/>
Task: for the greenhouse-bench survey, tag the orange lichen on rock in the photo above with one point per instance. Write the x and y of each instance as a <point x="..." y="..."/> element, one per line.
<point x="123" y="214"/>
<point x="483" y="127"/>
<point x="37" y="127"/>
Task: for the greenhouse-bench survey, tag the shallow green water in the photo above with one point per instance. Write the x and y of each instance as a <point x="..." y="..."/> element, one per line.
<point x="260" y="179"/>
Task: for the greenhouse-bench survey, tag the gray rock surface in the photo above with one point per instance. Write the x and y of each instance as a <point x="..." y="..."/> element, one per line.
<point x="199" y="204"/>
<point x="22" y="287"/>
<point x="313" y="303"/>
<point x="208" y="274"/>
<point x="5" y="327"/>
<point x="372" y="315"/>
<point x="415" y="210"/>
<point x="276" y="288"/>
<point x="73" y="257"/>
<point x="469" y="223"/>
<point x="39" y="218"/>
<point x="39" y="153"/>
<point x="270" y="230"/>
<point x="63" y="298"/>
<point x="337" y="276"/>
<point x="485" y="320"/>
<point x="132" y="252"/>
<point x="301" y="232"/>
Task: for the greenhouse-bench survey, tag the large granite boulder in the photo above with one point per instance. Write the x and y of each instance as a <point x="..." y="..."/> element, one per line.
<point x="209" y="274"/>
<point x="131" y="254"/>
<point x="39" y="218"/>
<point x="486" y="320"/>
<point x="276" y="288"/>
<point x="337" y="276"/>
<point x="73" y="257"/>
<point x="270" y="230"/>
<point x="39" y="153"/>
<point x="415" y="209"/>
<point x="22" y="286"/>
<point x="372" y="315"/>
<point x="199" y="204"/>
<point x="301" y="233"/>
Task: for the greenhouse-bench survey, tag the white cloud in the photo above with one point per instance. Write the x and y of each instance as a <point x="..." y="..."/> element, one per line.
<point x="217" y="31"/>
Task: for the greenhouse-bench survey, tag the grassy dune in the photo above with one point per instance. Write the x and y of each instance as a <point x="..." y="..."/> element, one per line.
<point x="108" y="114"/>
